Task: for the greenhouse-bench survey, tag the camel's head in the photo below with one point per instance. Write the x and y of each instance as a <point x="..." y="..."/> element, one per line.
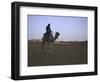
<point x="57" y="34"/>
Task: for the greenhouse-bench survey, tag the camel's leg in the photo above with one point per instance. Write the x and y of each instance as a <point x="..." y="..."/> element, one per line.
<point x="50" y="48"/>
<point x="42" y="47"/>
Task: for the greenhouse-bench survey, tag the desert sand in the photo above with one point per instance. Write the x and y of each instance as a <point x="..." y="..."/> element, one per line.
<point x="65" y="53"/>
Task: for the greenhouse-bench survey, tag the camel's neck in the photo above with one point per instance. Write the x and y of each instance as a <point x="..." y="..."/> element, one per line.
<point x="55" y="37"/>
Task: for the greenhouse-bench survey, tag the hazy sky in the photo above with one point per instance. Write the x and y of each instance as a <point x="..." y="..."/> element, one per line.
<point x="70" y="28"/>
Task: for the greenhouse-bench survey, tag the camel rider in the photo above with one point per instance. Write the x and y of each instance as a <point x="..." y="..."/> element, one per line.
<point x="48" y="31"/>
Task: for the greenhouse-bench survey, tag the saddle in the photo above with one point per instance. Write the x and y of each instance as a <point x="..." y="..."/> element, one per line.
<point x="47" y="36"/>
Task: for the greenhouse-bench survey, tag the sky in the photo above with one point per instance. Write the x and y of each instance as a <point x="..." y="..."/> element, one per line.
<point x="71" y="28"/>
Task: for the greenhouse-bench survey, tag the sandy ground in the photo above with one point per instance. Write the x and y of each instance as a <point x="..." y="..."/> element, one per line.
<point x="72" y="53"/>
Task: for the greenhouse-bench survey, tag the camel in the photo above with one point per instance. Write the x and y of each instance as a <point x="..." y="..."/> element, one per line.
<point x="50" y="42"/>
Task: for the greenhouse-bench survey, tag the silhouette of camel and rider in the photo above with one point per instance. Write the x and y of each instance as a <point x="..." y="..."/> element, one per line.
<point x="48" y="38"/>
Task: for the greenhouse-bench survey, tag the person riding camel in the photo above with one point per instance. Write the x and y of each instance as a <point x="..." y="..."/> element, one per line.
<point x="48" y="31"/>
